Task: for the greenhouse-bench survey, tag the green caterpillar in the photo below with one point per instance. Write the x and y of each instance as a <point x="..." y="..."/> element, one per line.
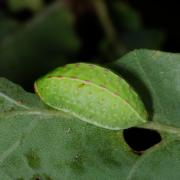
<point x="94" y="94"/>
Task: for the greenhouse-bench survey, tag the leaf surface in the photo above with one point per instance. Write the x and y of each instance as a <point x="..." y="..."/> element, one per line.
<point x="17" y="5"/>
<point x="156" y="76"/>
<point x="39" y="142"/>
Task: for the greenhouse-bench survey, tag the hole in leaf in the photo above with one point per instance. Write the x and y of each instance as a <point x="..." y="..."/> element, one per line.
<point x="140" y="139"/>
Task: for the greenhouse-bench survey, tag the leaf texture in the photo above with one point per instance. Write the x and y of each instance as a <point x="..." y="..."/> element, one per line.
<point x="40" y="142"/>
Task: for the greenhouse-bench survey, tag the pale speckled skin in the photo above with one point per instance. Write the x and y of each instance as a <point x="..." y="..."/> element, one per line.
<point x="93" y="94"/>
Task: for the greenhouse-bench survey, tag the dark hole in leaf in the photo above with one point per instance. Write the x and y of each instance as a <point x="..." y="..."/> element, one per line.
<point x="140" y="139"/>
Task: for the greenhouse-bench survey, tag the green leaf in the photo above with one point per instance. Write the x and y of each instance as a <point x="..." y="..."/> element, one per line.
<point x="146" y="38"/>
<point x="45" y="42"/>
<point x="16" y="5"/>
<point x="94" y="94"/>
<point x="8" y="26"/>
<point x="162" y="162"/>
<point x="156" y="76"/>
<point x="39" y="142"/>
<point x="125" y="16"/>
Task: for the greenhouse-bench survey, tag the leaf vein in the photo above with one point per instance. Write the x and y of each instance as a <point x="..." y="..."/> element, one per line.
<point x="13" y="101"/>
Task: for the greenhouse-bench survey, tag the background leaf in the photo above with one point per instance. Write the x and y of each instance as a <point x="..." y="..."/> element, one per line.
<point x="45" y="42"/>
<point x="8" y="26"/>
<point x="43" y="143"/>
<point x="156" y="76"/>
<point x="126" y="32"/>
<point x="145" y="38"/>
<point x="125" y="16"/>
<point x="16" y="5"/>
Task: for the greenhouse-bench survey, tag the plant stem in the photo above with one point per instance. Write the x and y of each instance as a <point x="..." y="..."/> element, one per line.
<point x="161" y="127"/>
<point x="108" y="26"/>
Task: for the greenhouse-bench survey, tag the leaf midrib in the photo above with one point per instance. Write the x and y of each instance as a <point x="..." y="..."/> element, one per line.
<point x="60" y="114"/>
<point x="8" y="98"/>
<point x="53" y="113"/>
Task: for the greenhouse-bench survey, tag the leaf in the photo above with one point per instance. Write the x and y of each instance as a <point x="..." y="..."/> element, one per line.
<point x="129" y="31"/>
<point x="125" y="16"/>
<point x="43" y="143"/>
<point x="8" y="26"/>
<point x="45" y="42"/>
<point x="151" y="38"/>
<point x="16" y="5"/>
<point x="159" y="163"/>
<point x="94" y="94"/>
<point x="156" y="77"/>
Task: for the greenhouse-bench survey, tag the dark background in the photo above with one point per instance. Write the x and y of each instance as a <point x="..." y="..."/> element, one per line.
<point x="163" y="15"/>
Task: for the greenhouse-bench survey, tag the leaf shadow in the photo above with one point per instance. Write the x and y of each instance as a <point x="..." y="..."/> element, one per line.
<point x="139" y="86"/>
